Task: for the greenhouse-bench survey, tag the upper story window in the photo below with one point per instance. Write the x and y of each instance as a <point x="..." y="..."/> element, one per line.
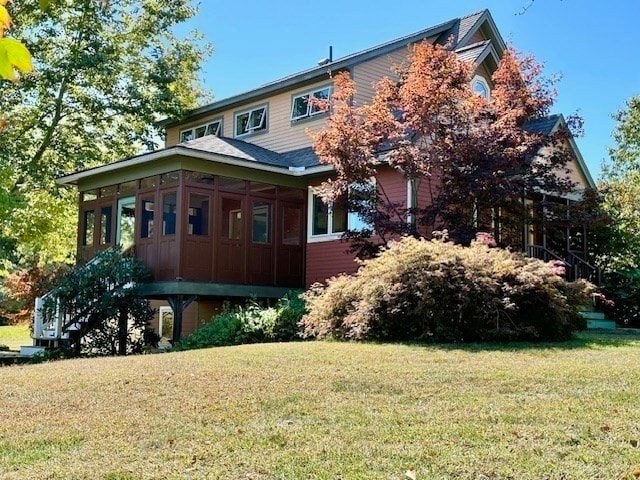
<point x="481" y="87"/>
<point x="211" y="128"/>
<point x="250" y="121"/>
<point x="301" y="107"/>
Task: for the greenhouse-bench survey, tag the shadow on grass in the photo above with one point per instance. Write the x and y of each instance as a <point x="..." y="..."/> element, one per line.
<point x="593" y="339"/>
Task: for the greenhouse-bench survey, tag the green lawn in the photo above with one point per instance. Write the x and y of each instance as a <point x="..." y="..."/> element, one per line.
<point x="323" y="410"/>
<point x="15" y="336"/>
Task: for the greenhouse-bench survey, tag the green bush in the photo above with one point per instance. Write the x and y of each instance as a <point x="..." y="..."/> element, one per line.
<point x="622" y="287"/>
<point x="252" y="323"/>
<point x="435" y="290"/>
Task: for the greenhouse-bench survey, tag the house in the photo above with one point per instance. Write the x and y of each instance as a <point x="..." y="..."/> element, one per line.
<point x="227" y="209"/>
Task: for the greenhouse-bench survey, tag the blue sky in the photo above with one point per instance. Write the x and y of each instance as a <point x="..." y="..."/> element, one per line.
<point x="590" y="43"/>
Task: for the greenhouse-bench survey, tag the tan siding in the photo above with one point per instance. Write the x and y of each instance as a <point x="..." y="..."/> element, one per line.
<point x="484" y="73"/>
<point x="475" y="38"/>
<point x="281" y="135"/>
<point x="368" y="73"/>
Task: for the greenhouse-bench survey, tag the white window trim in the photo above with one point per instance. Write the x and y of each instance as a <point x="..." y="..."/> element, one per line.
<point x="205" y="125"/>
<point x="480" y="79"/>
<point x="325" y="237"/>
<point x="251" y="130"/>
<point x="308" y="93"/>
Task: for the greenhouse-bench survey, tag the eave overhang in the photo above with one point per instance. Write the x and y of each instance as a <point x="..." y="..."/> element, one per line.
<point x="185" y="152"/>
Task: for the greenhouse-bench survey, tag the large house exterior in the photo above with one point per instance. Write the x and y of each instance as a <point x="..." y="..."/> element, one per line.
<point x="227" y="209"/>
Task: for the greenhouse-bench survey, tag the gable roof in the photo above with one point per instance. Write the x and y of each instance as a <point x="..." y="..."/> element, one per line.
<point x="459" y="29"/>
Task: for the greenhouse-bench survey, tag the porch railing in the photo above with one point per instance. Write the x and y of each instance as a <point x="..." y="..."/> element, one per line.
<point x="544" y="254"/>
<point x="576" y="266"/>
<point x="580" y="268"/>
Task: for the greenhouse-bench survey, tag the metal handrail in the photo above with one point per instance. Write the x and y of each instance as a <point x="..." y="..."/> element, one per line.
<point x="583" y="269"/>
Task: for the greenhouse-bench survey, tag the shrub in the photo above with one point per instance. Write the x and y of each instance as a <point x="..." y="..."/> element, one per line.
<point x="435" y="290"/>
<point x="623" y="288"/>
<point x="20" y="289"/>
<point x="252" y="323"/>
<point x="102" y="298"/>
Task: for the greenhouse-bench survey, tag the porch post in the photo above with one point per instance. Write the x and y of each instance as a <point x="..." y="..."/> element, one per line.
<point x="178" y="305"/>
<point x="544" y="221"/>
<point x="525" y="224"/>
<point x="567" y="231"/>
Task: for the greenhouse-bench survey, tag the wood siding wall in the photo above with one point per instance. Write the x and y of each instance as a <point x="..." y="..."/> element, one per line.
<point x="330" y="258"/>
<point x="367" y="74"/>
<point x="281" y="136"/>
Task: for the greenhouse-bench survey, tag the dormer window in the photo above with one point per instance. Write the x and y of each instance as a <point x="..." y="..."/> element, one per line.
<point x="211" y="128"/>
<point x="481" y="87"/>
<point x="251" y="121"/>
<point x="301" y="107"/>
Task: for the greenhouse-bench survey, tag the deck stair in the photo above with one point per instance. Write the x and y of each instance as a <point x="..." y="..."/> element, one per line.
<point x="54" y="330"/>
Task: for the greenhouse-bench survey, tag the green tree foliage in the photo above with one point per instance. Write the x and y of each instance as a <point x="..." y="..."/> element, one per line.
<point x="619" y="252"/>
<point x="101" y="297"/>
<point x="13" y="54"/>
<point x="436" y="290"/>
<point x="104" y="73"/>
<point x="620" y="187"/>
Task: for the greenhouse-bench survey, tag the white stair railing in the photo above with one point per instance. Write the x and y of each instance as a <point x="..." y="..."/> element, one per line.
<point x="55" y="328"/>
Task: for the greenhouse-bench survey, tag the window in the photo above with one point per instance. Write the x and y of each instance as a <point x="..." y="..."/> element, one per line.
<point x="302" y="108"/>
<point x="251" y="121"/>
<point x="327" y="219"/>
<point x="330" y="221"/>
<point x="481" y="87"/>
<point x="211" y="128"/>
<point x="89" y="196"/>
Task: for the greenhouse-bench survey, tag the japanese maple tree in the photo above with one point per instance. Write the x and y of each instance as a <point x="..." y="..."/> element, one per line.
<point x="475" y="157"/>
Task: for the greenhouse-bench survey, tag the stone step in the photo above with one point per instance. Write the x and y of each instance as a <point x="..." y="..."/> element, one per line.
<point x="593" y="315"/>
<point x="598" y="321"/>
<point x="30" y="350"/>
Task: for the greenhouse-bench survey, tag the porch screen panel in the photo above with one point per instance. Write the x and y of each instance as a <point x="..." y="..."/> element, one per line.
<point x="261" y="222"/>
<point x="146" y="229"/>
<point x="291" y="226"/>
<point x="88" y="228"/>
<point x="106" y="219"/>
<point x="198" y="214"/>
<point x="169" y="213"/>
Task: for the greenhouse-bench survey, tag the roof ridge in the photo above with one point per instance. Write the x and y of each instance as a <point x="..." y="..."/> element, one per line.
<point x="312" y="72"/>
<point x="479" y="12"/>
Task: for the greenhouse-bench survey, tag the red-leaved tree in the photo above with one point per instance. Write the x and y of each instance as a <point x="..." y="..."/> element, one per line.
<point x="473" y="159"/>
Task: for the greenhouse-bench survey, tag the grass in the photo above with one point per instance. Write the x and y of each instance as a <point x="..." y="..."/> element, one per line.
<point x="326" y="410"/>
<point x="15" y="336"/>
